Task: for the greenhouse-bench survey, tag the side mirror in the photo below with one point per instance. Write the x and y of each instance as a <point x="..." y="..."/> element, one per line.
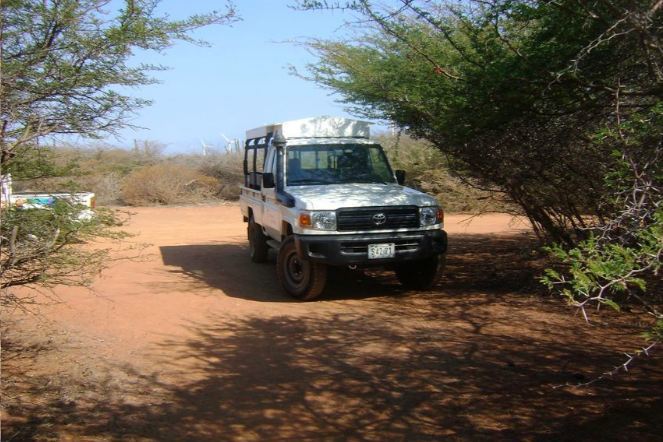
<point x="268" y="180"/>
<point x="400" y="176"/>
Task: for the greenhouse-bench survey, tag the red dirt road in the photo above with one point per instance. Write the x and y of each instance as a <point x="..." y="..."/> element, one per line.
<point x="193" y="342"/>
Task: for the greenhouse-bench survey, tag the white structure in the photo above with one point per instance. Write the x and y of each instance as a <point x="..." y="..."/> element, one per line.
<point x="315" y="127"/>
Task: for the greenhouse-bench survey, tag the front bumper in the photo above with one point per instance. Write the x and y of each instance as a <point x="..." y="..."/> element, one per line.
<point x="352" y="249"/>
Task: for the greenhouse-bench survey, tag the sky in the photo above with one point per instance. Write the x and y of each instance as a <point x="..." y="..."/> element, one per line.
<point x="242" y="81"/>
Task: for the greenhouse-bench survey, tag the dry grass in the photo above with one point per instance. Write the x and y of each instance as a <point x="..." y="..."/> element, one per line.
<point x="427" y="170"/>
<point x="132" y="176"/>
<point x="227" y="168"/>
<point x="167" y="184"/>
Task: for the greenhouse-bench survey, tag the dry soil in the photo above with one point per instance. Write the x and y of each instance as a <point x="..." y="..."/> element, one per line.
<point x="191" y="342"/>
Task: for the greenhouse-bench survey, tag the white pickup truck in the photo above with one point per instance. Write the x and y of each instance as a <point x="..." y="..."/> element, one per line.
<point x="322" y="193"/>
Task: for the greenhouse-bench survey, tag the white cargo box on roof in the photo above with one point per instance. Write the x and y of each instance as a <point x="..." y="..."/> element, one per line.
<point x="316" y="127"/>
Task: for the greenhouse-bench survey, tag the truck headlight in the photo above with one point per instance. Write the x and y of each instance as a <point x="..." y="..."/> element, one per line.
<point x="319" y="220"/>
<point x="429" y="216"/>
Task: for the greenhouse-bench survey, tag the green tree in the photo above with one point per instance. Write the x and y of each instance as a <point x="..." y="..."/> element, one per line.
<point x="557" y="103"/>
<point x="511" y="90"/>
<point x="63" y="61"/>
<point x="63" y="65"/>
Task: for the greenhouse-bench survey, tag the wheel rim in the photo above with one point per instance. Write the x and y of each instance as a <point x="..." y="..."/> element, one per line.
<point x="296" y="270"/>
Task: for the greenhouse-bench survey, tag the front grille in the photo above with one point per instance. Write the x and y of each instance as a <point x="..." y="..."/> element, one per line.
<point x="365" y="218"/>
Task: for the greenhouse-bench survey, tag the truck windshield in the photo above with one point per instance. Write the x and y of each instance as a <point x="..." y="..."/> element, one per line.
<point x="337" y="164"/>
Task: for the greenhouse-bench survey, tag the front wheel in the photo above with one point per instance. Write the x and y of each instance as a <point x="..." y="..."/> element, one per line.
<point x="421" y="274"/>
<point x="300" y="278"/>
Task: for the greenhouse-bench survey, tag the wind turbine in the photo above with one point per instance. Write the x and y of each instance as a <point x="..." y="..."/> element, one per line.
<point x="230" y="144"/>
<point x="205" y="147"/>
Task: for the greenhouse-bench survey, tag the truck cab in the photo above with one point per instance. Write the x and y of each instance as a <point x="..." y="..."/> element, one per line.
<point x="322" y="193"/>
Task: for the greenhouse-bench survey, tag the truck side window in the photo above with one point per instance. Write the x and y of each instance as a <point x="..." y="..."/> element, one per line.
<point x="260" y="160"/>
<point x="269" y="162"/>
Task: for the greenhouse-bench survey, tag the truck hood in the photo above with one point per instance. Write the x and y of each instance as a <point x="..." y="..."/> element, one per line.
<point x="335" y="196"/>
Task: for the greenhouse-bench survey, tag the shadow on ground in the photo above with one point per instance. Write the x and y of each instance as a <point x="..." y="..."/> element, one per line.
<point x="488" y="263"/>
<point x="376" y="375"/>
<point x="478" y="359"/>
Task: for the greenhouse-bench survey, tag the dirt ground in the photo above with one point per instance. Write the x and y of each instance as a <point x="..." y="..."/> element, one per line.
<point x="193" y="342"/>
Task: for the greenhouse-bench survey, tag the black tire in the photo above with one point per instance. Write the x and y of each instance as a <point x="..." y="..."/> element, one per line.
<point x="301" y="279"/>
<point x="258" y="248"/>
<point x="422" y="274"/>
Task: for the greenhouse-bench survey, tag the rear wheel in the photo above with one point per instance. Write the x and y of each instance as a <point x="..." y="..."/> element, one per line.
<point x="300" y="278"/>
<point x="421" y="274"/>
<point x="258" y="247"/>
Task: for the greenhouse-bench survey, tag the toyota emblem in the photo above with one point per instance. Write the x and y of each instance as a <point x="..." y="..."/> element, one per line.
<point x="379" y="219"/>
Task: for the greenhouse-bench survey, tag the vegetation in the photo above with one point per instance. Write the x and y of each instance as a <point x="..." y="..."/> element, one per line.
<point x="427" y="169"/>
<point x="44" y="247"/>
<point x="557" y="104"/>
<point x="144" y="175"/>
<point x="166" y="184"/>
<point x="63" y="61"/>
<point x="112" y="172"/>
<point x="62" y="64"/>
<point x="621" y="259"/>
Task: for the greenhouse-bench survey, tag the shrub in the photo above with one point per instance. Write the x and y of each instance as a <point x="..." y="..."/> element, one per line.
<point x="167" y="184"/>
<point x="621" y="259"/>
<point x="227" y="168"/>
<point x="106" y="187"/>
<point x="427" y="169"/>
<point x="229" y="192"/>
<point x="44" y="247"/>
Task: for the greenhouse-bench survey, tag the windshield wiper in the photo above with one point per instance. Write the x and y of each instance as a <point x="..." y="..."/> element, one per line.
<point x="365" y="181"/>
<point x="307" y="181"/>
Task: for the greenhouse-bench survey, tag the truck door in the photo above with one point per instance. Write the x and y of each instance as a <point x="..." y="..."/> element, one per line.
<point x="271" y="216"/>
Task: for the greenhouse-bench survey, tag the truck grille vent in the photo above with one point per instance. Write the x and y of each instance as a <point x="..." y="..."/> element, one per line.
<point x="378" y="218"/>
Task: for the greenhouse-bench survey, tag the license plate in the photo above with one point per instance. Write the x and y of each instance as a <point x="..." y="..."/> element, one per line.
<point x="377" y="251"/>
